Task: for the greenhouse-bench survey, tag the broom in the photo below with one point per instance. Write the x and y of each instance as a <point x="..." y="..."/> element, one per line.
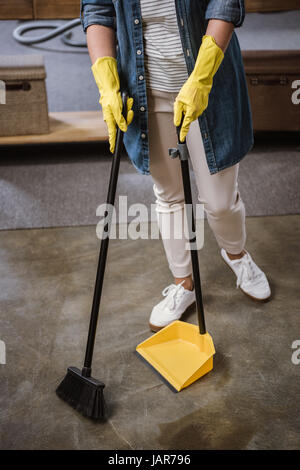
<point x="79" y="389"/>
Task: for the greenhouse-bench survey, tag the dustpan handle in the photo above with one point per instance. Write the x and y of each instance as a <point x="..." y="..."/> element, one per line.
<point x="184" y="156"/>
<point x="114" y="173"/>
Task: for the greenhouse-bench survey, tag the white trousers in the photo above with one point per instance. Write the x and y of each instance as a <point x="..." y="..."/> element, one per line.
<point x="218" y="193"/>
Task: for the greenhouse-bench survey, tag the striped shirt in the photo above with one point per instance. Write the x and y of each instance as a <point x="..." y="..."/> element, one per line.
<point x="165" y="66"/>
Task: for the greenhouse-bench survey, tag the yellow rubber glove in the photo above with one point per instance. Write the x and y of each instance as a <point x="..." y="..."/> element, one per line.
<point x="192" y="99"/>
<point x="107" y="79"/>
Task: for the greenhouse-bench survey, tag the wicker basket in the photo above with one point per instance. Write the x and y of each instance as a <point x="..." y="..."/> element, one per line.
<point x="25" y="110"/>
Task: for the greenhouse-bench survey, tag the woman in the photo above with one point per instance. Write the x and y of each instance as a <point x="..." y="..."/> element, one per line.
<point x="180" y="58"/>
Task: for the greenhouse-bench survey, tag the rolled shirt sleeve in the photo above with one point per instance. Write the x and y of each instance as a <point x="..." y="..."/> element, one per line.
<point x="100" y="12"/>
<point x="232" y="11"/>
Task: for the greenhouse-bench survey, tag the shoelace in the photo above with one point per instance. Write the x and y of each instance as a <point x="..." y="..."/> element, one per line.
<point x="174" y="291"/>
<point x="246" y="270"/>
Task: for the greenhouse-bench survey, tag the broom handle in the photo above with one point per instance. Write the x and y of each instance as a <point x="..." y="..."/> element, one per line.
<point x="86" y="371"/>
<point x="194" y="254"/>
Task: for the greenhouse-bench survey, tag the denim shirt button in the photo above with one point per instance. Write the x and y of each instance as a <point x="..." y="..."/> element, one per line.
<point x="142" y="108"/>
<point x="143" y="136"/>
<point x="141" y="77"/>
<point x="136" y="21"/>
<point x="138" y="52"/>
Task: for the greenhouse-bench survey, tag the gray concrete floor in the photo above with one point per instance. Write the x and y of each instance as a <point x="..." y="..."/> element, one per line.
<point x="249" y="401"/>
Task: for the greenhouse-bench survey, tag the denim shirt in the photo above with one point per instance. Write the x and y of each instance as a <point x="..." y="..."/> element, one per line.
<point x="226" y="124"/>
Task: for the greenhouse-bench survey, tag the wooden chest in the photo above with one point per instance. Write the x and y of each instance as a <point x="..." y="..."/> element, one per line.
<point x="273" y="79"/>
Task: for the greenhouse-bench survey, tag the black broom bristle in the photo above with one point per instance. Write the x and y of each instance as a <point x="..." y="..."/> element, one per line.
<point x="85" y="394"/>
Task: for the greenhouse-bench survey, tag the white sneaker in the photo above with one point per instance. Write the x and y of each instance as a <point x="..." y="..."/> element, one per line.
<point x="250" y="278"/>
<point x="177" y="301"/>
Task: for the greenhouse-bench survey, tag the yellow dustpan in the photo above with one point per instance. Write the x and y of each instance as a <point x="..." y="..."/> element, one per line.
<point x="179" y="353"/>
<point x="182" y="353"/>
